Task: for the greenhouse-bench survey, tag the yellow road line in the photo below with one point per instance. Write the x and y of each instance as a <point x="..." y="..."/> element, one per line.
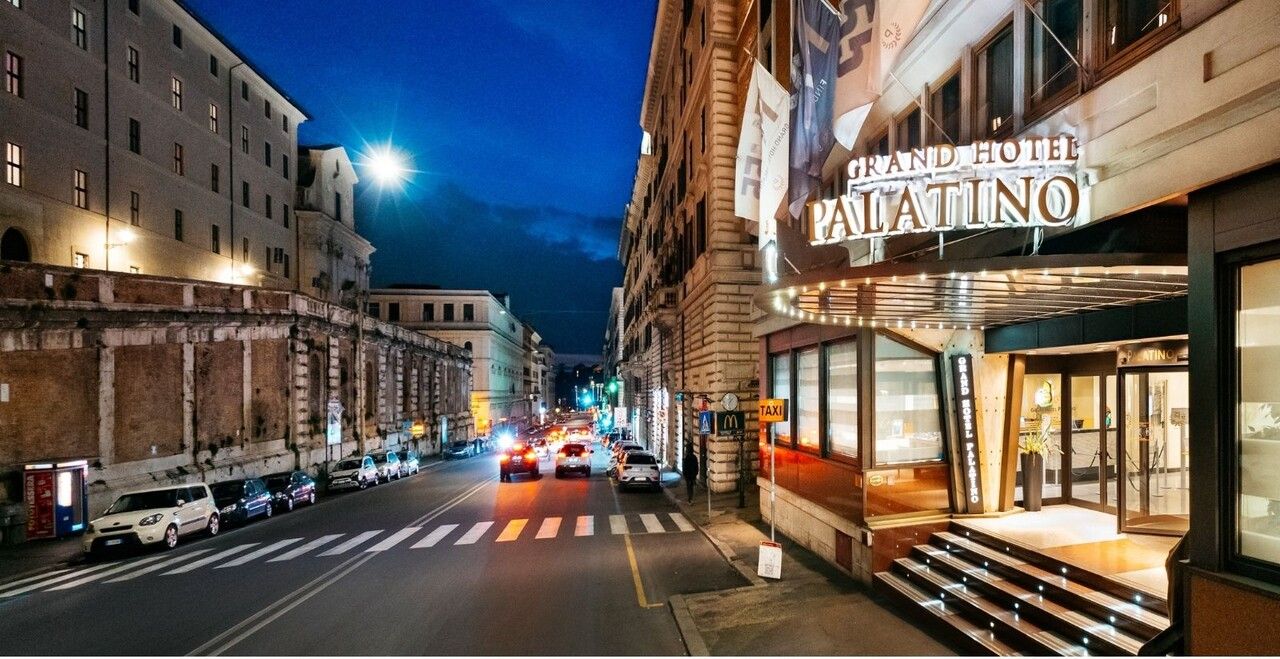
<point x="635" y="577"/>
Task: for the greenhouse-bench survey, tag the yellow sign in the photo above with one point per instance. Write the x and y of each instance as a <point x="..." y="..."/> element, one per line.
<point x="418" y="430"/>
<point x="773" y="410"/>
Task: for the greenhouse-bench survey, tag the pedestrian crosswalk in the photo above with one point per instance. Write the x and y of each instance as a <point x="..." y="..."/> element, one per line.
<point x="339" y="544"/>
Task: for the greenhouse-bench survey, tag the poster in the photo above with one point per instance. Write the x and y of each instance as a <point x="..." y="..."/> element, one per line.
<point x="38" y="495"/>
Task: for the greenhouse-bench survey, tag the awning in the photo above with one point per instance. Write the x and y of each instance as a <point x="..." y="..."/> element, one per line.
<point x="976" y="294"/>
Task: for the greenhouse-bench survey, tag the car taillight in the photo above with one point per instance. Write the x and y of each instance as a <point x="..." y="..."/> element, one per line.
<point x="530" y="455"/>
<point x="504" y="457"/>
<point x="561" y="454"/>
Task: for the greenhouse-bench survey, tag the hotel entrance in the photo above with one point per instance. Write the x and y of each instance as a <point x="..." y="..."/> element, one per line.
<point x="1153" y="419"/>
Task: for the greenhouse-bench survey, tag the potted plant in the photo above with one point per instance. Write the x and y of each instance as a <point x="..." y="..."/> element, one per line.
<point x="1034" y="446"/>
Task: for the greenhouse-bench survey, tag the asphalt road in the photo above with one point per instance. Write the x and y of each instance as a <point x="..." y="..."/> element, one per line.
<point x="446" y="562"/>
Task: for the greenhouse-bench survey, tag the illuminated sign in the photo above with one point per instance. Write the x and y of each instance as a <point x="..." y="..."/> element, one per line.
<point x="967" y="429"/>
<point x="988" y="184"/>
<point x="773" y="410"/>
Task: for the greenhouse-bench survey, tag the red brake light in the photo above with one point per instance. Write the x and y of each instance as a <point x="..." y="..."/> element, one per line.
<point x="504" y="457"/>
<point x="561" y="455"/>
<point x="530" y="455"/>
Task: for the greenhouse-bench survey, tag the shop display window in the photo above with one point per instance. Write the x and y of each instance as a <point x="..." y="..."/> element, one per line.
<point x="907" y="415"/>
<point x="842" y="398"/>
<point x="1258" y="424"/>
<point x="806" y="406"/>
<point x="780" y="387"/>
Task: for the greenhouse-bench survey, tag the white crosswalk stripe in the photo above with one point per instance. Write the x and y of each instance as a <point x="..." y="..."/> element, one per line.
<point x="434" y="537"/>
<point x="586" y="525"/>
<point x="52" y="580"/>
<point x="42" y="575"/>
<point x="512" y="532"/>
<point x="549" y="529"/>
<point x="259" y="553"/>
<point x="472" y="536"/>
<point x="618" y="524"/>
<point x="106" y="573"/>
<point x="156" y="567"/>
<point x="651" y="523"/>
<point x="194" y="565"/>
<point x="351" y="544"/>
<point x="395" y="539"/>
<point x="681" y="521"/>
<point x="310" y="546"/>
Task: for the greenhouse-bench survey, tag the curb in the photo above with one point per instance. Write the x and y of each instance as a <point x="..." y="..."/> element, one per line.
<point x="693" y="641"/>
<point x="725" y="550"/>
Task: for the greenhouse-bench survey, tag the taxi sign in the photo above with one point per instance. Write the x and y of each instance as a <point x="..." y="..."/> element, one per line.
<point x="773" y="410"/>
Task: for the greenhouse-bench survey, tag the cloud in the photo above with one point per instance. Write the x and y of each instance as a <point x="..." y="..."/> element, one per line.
<point x="592" y="236"/>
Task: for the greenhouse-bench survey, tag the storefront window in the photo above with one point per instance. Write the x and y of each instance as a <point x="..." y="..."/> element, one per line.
<point x="780" y="387"/>
<point x="1258" y="426"/>
<point x="807" y="399"/>
<point x="1051" y="67"/>
<point x="908" y="420"/>
<point x="842" y="398"/>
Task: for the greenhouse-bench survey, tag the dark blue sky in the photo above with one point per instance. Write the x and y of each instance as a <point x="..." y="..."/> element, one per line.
<point x="521" y="118"/>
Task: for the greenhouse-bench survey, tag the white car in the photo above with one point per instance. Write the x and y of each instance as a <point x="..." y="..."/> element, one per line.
<point x="573" y="457"/>
<point x="639" y="469"/>
<point x="388" y="465"/>
<point x="158" y="515"/>
<point x="353" y="472"/>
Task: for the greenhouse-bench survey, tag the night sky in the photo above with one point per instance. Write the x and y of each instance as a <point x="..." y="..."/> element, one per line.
<point x="521" y="120"/>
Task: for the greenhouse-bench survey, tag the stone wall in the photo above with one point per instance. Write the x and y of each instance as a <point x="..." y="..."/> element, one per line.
<point x="179" y="380"/>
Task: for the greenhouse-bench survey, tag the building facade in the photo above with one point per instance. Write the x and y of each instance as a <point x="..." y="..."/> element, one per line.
<point x="507" y="389"/>
<point x="333" y="260"/>
<point x="136" y="139"/>
<point x="689" y="265"/>
<point x="1073" y="315"/>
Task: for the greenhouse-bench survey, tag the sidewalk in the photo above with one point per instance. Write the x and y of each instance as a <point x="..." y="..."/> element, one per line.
<point x="813" y="610"/>
<point x="26" y="558"/>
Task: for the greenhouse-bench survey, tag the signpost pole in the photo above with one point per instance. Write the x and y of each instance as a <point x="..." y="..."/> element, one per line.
<point x="773" y="488"/>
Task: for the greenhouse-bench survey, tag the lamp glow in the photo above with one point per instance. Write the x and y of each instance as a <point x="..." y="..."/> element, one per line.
<point x="387" y="167"/>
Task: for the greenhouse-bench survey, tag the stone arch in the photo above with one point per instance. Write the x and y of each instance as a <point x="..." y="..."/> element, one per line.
<point x="14" y="246"/>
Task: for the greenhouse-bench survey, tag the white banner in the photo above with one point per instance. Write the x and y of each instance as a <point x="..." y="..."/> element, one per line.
<point x="746" y="176"/>
<point x="872" y="38"/>
<point x="763" y="149"/>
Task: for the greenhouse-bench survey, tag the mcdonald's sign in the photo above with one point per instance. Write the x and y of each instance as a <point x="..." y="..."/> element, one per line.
<point x="731" y="423"/>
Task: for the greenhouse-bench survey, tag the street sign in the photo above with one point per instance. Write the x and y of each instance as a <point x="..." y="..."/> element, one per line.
<point x="333" y="430"/>
<point x="706" y="422"/>
<point x="773" y="410"/>
<point x="731" y="423"/>
<point x="770" y="563"/>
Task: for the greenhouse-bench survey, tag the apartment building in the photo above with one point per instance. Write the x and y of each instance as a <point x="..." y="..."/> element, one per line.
<point x="136" y="139"/>
<point x="333" y="260"/>
<point x="690" y="266"/>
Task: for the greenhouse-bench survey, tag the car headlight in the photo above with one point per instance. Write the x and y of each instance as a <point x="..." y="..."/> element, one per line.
<point x="229" y="509"/>
<point x="151" y="519"/>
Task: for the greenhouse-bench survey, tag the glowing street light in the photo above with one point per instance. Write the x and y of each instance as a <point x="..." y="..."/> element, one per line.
<point x="387" y="166"/>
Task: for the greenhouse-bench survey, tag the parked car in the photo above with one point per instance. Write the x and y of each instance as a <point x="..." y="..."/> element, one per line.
<point x="519" y="459"/>
<point x="147" y="517"/>
<point x="241" y="500"/>
<point x="639" y="469"/>
<point x="409" y="462"/>
<point x="459" y="448"/>
<point x="573" y="457"/>
<point x="388" y="464"/>
<point x="353" y="472"/>
<point x="289" y="489"/>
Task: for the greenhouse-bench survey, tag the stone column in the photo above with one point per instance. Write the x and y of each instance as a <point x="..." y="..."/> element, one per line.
<point x="106" y="405"/>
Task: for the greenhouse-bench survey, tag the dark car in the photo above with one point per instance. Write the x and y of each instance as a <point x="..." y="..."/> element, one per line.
<point x="241" y="500"/>
<point x="459" y="448"/>
<point x="289" y="489"/>
<point x="519" y="459"/>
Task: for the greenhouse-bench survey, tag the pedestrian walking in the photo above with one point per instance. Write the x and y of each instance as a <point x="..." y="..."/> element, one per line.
<point x="689" y="469"/>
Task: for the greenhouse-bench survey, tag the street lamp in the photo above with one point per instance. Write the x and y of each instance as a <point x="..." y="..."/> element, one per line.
<point x="387" y="165"/>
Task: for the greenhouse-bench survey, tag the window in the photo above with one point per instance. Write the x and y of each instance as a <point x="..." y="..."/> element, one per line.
<point x="1051" y="68"/>
<point x="244" y="250"/>
<point x="135" y="208"/>
<point x="266" y="153"/>
<point x="375" y="309"/>
<point x="177" y="224"/>
<point x="81" y="194"/>
<point x="267" y="205"/>
<point x="393" y="312"/>
<point x="213" y="65"/>
<point x="428" y="311"/>
<point x="466" y="346"/>
<point x="448" y="312"/>
<point x="266" y="107"/>
<point x="337" y="206"/>
<point x="701" y="218"/>
<point x="880" y="145"/>
<point x="213" y="118"/>
<point x="244" y="193"/>
<point x="908" y="132"/>
<point x="244" y="139"/>
<point x="215" y="178"/>
<point x="134" y="8"/>
<point x="79" y="36"/>
<point x="244" y="89"/>
<point x="267" y="259"/>
<point x="284" y="165"/>
<point x="944" y="107"/>
<point x="179" y="164"/>
<point x="13" y="164"/>
<point x="780" y="387"/>
<point x="131" y="60"/>
<point x="1257" y="432"/>
<point x="135" y="136"/>
<point x="215" y="239"/>
<point x="284" y="211"/>
<point x="908" y="419"/>
<point x="469" y="312"/>
<point x="286" y="265"/>
<point x="284" y="122"/>
<point x="13" y="74"/>
<point x="995" y="85"/>
<point x="82" y="108"/>
<point x="806" y="399"/>
<point x="1127" y="21"/>
<point x="842" y="398"/>
<point x="79" y="260"/>
<point x="177" y="36"/>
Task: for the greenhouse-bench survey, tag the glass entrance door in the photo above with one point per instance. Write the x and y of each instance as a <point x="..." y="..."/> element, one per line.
<point x="1091" y="448"/>
<point x="1153" y="455"/>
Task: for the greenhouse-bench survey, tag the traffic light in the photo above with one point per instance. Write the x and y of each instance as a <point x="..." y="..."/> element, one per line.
<point x="613" y="386"/>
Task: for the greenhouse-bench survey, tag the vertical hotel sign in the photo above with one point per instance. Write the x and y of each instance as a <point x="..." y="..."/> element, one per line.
<point x="967" y="431"/>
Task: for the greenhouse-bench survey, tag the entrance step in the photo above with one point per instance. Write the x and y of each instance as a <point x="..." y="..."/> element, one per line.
<point x="1007" y="599"/>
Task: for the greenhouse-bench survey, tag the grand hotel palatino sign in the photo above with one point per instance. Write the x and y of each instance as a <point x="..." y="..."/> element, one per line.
<point x="1027" y="182"/>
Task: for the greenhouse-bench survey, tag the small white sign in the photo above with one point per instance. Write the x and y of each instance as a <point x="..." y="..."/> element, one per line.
<point x="4" y="392"/>
<point x="770" y="560"/>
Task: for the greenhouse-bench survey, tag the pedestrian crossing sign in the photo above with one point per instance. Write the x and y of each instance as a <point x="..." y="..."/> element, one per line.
<point x="706" y="422"/>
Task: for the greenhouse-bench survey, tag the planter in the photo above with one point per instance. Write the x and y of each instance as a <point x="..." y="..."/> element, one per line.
<point x="1032" y="480"/>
